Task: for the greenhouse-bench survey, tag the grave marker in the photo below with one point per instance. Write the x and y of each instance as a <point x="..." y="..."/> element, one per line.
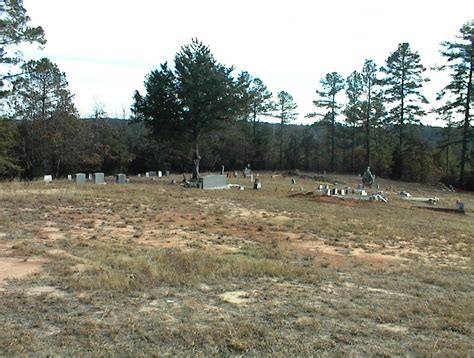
<point x="80" y="178"/>
<point x="48" y="178"/>
<point x="121" y="179"/>
<point x="99" y="178"/>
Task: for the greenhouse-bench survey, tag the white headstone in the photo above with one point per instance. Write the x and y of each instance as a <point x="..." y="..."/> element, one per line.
<point x="69" y="177"/>
<point x="48" y="178"/>
<point x="160" y="174"/>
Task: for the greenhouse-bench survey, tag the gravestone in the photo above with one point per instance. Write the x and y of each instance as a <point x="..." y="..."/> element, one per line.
<point x="222" y="170"/>
<point x="167" y="173"/>
<point x="257" y="185"/>
<point x="326" y="192"/>
<point x="48" y="178"/>
<point x="293" y="181"/>
<point x="251" y="177"/>
<point x="151" y="174"/>
<point x="147" y="174"/>
<point x="80" y="178"/>
<point x="90" y="177"/>
<point x="139" y="175"/>
<point x="368" y="178"/>
<point x="320" y="188"/>
<point x="247" y="171"/>
<point x="69" y="177"/>
<point x="159" y="174"/>
<point x="326" y="187"/>
<point x="99" y="178"/>
<point x="343" y="192"/>
<point x="334" y="191"/>
<point x="121" y="179"/>
<point x="213" y="182"/>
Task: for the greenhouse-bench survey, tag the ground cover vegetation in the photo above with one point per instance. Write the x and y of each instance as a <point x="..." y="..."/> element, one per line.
<point x="152" y="268"/>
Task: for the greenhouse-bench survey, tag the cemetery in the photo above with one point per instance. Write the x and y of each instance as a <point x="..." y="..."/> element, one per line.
<point x="315" y="250"/>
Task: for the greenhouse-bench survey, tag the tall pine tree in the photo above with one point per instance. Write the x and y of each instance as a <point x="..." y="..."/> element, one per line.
<point x="332" y="84"/>
<point x="403" y="82"/>
<point x="460" y="56"/>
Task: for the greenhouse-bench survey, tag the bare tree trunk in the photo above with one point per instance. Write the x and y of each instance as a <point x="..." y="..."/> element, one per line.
<point x="196" y="158"/>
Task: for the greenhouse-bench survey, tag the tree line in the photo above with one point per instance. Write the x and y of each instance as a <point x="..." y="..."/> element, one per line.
<point x="197" y="114"/>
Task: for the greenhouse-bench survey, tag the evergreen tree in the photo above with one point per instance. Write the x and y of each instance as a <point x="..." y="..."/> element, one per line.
<point x="42" y="101"/>
<point x="285" y="112"/>
<point x="369" y="83"/>
<point x="14" y="30"/>
<point x="403" y="82"/>
<point x="332" y="84"/>
<point x="354" y="108"/>
<point x="460" y="56"/>
<point x="199" y="96"/>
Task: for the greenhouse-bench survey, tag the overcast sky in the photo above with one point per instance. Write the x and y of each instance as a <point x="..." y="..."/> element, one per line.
<point x="107" y="47"/>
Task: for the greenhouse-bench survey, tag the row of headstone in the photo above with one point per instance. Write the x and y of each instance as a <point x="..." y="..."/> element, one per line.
<point x="158" y="174"/>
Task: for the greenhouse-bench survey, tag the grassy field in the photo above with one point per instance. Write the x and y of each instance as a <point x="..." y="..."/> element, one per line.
<point x="154" y="269"/>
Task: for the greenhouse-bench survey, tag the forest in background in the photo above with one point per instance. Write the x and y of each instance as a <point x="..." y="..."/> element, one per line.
<point x="198" y="114"/>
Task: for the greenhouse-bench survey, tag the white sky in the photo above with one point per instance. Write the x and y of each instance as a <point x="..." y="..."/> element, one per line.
<point x="107" y="47"/>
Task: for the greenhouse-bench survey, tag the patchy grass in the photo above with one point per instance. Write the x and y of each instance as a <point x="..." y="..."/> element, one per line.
<point x="155" y="269"/>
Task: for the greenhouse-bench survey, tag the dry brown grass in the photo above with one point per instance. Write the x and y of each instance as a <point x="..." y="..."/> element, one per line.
<point x="155" y="269"/>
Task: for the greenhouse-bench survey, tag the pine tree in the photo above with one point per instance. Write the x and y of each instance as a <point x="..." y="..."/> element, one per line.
<point x="354" y="110"/>
<point x="14" y="30"/>
<point x="285" y="112"/>
<point x="460" y="56"/>
<point x="403" y="82"/>
<point x="195" y="98"/>
<point x="332" y="84"/>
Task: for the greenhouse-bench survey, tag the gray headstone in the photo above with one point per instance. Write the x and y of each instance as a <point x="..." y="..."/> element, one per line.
<point x="48" y="178"/>
<point x="247" y="172"/>
<point x="257" y="185"/>
<point x="99" y="178"/>
<point x="90" y="177"/>
<point x="222" y="170"/>
<point x="80" y="178"/>
<point x="167" y="173"/>
<point x="121" y="179"/>
<point x="213" y="182"/>
<point x="152" y="174"/>
<point x="326" y="192"/>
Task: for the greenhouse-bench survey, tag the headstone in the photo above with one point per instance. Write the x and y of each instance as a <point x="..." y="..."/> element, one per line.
<point x="80" y="178"/>
<point x="213" y="182"/>
<point x="460" y="206"/>
<point x="167" y="173"/>
<point x="139" y="175"/>
<point x="160" y="174"/>
<point x="320" y="188"/>
<point x="69" y="177"/>
<point x="99" y="178"/>
<point x="247" y="172"/>
<point x="241" y="187"/>
<point x="90" y="177"/>
<point x="48" y="178"/>
<point x="147" y="174"/>
<point x="121" y="179"/>
<point x="326" y="187"/>
<point x="236" y="174"/>
<point x="343" y="192"/>
<point x="152" y="174"/>
<point x="251" y="177"/>
<point x="368" y="178"/>
<point x="334" y="191"/>
<point x="222" y="170"/>
<point x="327" y="192"/>
<point x="257" y="185"/>
<point x="293" y="181"/>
